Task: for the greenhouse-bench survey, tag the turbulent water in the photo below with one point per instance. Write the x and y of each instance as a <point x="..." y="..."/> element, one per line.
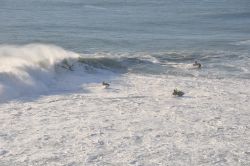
<point x="54" y="55"/>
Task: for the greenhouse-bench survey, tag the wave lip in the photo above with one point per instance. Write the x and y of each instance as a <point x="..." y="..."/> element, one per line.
<point x="28" y="69"/>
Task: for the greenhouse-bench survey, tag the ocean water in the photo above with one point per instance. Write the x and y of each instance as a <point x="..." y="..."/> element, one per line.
<point x="118" y="25"/>
<point x="54" y="55"/>
<point x="152" y="37"/>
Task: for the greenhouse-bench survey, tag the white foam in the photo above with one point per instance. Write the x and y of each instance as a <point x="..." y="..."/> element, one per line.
<point x="136" y="121"/>
<point x="28" y="69"/>
<point x="244" y="42"/>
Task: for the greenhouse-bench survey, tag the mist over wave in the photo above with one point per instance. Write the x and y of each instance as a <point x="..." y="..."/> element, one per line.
<point x="41" y="68"/>
<point x="28" y="69"/>
<point x="38" y="68"/>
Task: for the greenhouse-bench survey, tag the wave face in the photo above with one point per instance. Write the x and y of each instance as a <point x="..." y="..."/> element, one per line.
<point x="28" y="69"/>
<point x="37" y="68"/>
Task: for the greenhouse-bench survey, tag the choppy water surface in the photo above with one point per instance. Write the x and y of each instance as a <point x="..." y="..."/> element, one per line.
<point x="116" y="25"/>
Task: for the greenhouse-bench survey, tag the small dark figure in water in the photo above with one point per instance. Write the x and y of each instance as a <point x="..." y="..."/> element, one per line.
<point x="67" y="65"/>
<point x="178" y="93"/>
<point x="197" y="64"/>
<point x="105" y="84"/>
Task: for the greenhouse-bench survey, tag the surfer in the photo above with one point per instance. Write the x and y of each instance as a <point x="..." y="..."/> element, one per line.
<point x="178" y="93"/>
<point x="197" y="64"/>
<point x="105" y="84"/>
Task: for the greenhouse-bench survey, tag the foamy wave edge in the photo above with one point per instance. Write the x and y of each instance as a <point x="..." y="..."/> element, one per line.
<point x="31" y="69"/>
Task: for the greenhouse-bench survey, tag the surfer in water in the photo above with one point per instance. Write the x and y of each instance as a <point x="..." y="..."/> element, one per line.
<point x="197" y="64"/>
<point x="105" y="84"/>
<point x="178" y="93"/>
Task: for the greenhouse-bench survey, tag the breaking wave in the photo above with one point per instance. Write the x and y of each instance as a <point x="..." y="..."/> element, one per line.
<point x="38" y="68"/>
<point x="244" y="43"/>
<point x="28" y="69"/>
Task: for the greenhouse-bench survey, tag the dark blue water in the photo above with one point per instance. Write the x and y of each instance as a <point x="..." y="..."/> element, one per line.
<point x="128" y="25"/>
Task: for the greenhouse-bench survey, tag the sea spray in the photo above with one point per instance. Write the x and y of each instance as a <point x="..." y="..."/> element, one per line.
<point x="38" y="68"/>
<point x="28" y="69"/>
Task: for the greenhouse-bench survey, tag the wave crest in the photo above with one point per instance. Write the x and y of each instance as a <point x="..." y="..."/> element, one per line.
<point x="28" y="69"/>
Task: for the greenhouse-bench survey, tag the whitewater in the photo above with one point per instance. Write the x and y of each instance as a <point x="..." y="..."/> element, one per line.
<point x="55" y="111"/>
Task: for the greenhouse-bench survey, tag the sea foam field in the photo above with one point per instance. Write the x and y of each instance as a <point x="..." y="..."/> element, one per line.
<point x="55" y="111"/>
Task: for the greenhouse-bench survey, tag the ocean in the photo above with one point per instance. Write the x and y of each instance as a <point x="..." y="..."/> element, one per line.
<point x="55" y="54"/>
<point x="115" y="25"/>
